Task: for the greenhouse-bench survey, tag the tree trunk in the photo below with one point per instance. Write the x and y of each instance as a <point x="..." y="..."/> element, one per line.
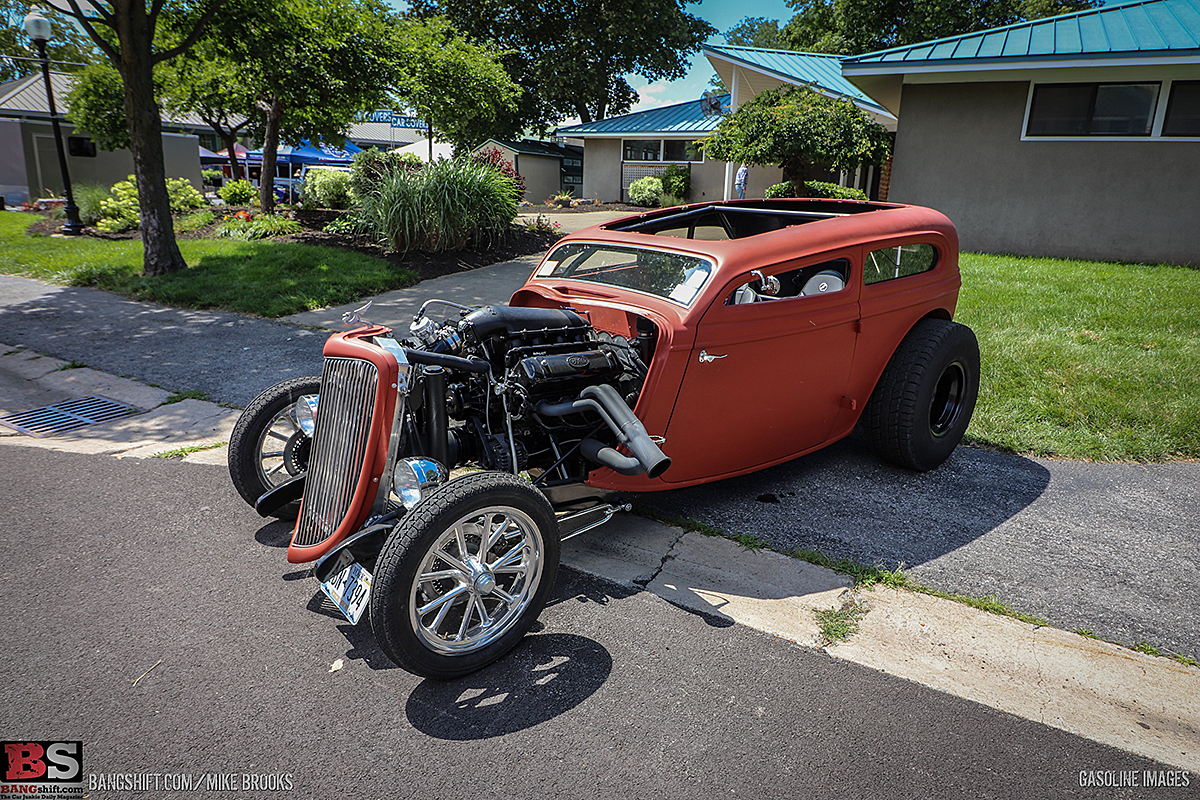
<point x="794" y="171"/>
<point x="231" y="146"/>
<point x="266" y="181"/>
<point x="162" y="254"/>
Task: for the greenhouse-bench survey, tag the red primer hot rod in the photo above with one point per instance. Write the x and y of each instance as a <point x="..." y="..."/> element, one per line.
<point x="661" y="350"/>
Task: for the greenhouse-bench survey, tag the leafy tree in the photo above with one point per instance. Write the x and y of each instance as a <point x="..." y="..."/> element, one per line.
<point x="571" y="57"/>
<point x="757" y="32"/>
<point x="96" y="104"/>
<point x="312" y="67"/>
<point x="796" y="128"/>
<point x="124" y="31"/>
<point x="204" y="82"/>
<point x="68" y="48"/>
<point x="851" y="27"/>
<point x="459" y="87"/>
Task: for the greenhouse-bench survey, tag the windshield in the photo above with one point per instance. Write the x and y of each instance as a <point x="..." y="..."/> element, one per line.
<point x="673" y="276"/>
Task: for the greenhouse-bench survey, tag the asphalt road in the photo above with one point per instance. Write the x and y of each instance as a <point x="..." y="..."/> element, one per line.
<point x="153" y="616"/>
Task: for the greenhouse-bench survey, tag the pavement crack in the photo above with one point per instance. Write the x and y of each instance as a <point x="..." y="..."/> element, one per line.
<point x="643" y="581"/>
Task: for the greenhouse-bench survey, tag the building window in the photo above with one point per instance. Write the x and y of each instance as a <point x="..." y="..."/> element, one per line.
<point x="643" y="149"/>
<point x="1183" y="110"/>
<point x="677" y="150"/>
<point x="1092" y="109"/>
<point x="662" y="150"/>
<point x="81" y="147"/>
<point x="572" y="162"/>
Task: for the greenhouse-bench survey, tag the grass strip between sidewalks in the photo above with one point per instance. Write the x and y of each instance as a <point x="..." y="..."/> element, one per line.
<point x="264" y="278"/>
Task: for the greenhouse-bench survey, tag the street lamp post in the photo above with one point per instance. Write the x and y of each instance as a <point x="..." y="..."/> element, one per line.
<point x="38" y="28"/>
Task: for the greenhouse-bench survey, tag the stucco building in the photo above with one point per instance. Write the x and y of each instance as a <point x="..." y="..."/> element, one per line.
<point x="1075" y="136"/>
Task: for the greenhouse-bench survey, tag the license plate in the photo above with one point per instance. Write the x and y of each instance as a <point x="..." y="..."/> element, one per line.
<point x="349" y="587"/>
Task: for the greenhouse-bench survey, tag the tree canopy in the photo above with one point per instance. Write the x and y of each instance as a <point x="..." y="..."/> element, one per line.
<point x="571" y="58"/>
<point x="67" y="49"/>
<point x="852" y="27"/>
<point x="312" y="67"/>
<point x="458" y="86"/>
<point x="796" y="129"/>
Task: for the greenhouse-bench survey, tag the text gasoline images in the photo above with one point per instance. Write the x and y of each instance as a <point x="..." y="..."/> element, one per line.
<point x="1110" y="778"/>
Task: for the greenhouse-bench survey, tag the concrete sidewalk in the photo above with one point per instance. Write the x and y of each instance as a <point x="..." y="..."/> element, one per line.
<point x="1142" y="704"/>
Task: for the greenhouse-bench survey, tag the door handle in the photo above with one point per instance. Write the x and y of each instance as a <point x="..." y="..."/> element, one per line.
<point x="705" y="358"/>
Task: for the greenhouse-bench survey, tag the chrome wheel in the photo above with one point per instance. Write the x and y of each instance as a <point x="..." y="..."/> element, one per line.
<point x="464" y="574"/>
<point x="476" y="580"/>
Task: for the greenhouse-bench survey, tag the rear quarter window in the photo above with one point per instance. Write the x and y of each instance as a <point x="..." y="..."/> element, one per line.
<point x="891" y="263"/>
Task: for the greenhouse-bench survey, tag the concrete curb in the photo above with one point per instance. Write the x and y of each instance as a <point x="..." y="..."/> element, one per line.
<point x="1139" y="703"/>
<point x="29" y="380"/>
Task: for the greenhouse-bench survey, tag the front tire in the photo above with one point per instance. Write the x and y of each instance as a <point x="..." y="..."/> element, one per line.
<point x="267" y="446"/>
<point x="923" y="402"/>
<point x="463" y="575"/>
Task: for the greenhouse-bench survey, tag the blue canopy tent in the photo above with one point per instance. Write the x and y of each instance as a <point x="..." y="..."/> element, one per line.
<point x="304" y="154"/>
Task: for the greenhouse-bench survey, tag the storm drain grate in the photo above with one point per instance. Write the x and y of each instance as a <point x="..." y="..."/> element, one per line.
<point x="67" y="416"/>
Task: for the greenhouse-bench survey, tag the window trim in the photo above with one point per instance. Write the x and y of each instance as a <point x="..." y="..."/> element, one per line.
<point x="1162" y="101"/>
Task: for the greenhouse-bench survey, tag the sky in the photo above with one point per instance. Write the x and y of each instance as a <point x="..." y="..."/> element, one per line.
<point x="722" y="15"/>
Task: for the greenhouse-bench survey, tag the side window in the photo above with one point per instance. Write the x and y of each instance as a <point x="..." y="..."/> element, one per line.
<point x="824" y="278"/>
<point x="899" y="262"/>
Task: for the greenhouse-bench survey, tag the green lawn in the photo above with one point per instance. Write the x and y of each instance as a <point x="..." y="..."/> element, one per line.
<point x="1085" y="359"/>
<point x="266" y="278"/>
<point x="1080" y="359"/>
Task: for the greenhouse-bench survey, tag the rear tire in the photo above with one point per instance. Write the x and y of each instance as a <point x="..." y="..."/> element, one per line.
<point x="267" y="446"/>
<point x="923" y="402"/>
<point x="463" y="575"/>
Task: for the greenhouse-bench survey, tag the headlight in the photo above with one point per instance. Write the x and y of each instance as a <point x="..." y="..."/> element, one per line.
<point x="306" y="413"/>
<point x="413" y="478"/>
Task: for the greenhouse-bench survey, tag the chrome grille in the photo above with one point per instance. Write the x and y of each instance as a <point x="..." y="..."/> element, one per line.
<point x="344" y="417"/>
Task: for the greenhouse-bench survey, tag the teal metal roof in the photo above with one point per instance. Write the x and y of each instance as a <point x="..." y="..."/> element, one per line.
<point x="1139" y="28"/>
<point x="679" y="119"/>
<point x="822" y="71"/>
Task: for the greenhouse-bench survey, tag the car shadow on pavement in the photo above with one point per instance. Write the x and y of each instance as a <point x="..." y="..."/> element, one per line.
<point x="547" y="675"/>
<point x="844" y="502"/>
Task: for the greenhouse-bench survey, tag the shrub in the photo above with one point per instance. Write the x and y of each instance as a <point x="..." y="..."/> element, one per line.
<point x="778" y="190"/>
<point x="212" y="177"/>
<point x="446" y="205"/>
<point x="815" y="189"/>
<point x="369" y="168"/>
<point x="328" y="188"/>
<point x="495" y="159"/>
<point x="677" y="182"/>
<point x="246" y="226"/>
<point x="184" y="196"/>
<point x="238" y="193"/>
<point x="646" y="191"/>
<point x="832" y="190"/>
<point x="195" y="221"/>
<point x="89" y="197"/>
